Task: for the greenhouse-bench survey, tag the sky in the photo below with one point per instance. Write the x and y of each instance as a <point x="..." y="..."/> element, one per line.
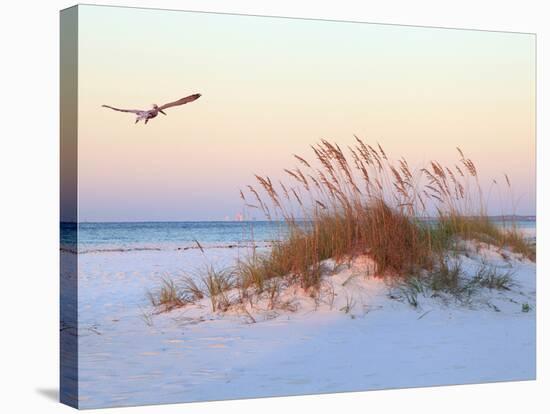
<point x="271" y="87"/>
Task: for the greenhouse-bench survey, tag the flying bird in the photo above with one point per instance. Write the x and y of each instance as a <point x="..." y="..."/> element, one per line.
<point x="146" y="115"/>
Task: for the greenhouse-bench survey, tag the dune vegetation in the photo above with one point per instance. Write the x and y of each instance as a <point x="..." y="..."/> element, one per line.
<point x="344" y="204"/>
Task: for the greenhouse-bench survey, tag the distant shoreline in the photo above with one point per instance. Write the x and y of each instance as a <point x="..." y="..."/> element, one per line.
<point x="493" y="217"/>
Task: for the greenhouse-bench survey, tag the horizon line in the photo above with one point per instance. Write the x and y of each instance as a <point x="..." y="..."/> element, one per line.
<point x="495" y="216"/>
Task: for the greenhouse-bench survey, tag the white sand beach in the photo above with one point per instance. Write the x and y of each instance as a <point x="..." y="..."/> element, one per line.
<point x="380" y="341"/>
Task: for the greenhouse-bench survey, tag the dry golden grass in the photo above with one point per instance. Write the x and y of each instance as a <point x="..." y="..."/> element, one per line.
<point x="481" y="228"/>
<point x="168" y="297"/>
<point x="216" y="283"/>
<point x="365" y="203"/>
<point x="339" y="206"/>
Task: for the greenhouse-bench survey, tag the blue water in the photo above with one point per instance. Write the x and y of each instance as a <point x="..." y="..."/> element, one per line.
<point x="94" y="237"/>
<point x="166" y="235"/>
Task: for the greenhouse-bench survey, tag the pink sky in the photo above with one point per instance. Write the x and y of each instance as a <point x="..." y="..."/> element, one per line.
<point x="272" y="87"/>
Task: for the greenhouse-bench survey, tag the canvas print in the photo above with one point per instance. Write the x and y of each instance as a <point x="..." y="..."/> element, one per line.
<point x="258" y="206"/>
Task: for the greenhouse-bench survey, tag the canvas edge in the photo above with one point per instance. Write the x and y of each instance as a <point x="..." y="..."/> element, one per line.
<point x="68" y="205"/>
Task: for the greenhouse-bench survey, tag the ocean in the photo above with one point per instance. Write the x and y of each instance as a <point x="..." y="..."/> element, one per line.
<point x="132" y="236"/>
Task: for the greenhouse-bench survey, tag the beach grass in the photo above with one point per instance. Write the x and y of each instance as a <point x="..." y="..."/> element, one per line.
<point x="168" y="296"/>
<point x="360" y="202"/>
<point x="449" y="278"/>
<point x="216" y="283"/>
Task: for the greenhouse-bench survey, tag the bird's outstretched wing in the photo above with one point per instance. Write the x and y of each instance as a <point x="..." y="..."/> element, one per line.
<point x="181" y="101"/>
<point x="133" y="111"/>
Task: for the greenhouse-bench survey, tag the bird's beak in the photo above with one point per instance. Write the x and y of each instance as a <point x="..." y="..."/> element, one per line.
<point x="162" y="112"/>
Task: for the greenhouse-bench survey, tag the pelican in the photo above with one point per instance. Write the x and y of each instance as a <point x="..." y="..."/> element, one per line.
<point x="146" y="115"/>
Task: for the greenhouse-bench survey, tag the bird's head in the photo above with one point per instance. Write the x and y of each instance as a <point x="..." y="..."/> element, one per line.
<point x="155" y="106"/>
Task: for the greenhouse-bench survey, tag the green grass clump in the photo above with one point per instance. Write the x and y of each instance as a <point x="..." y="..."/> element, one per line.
<point x="448" y="277"/>
<point x="489" y="277"/>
